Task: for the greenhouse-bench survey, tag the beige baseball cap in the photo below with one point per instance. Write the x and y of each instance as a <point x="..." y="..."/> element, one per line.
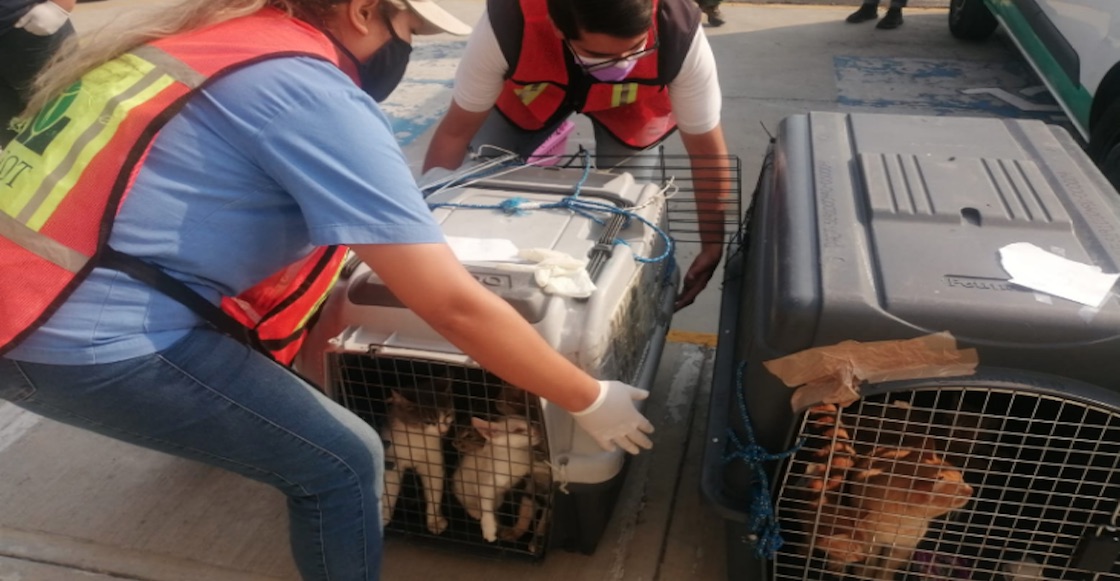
<point x="436" y="19"/>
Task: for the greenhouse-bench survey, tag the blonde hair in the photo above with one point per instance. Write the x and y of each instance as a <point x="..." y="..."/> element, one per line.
<point x="78" y="56"/>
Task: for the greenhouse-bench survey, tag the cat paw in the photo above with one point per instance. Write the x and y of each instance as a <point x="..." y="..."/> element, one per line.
<point x="489" y="530"/>
<point x="436" y="526"/>
<point x="386" y="516"/>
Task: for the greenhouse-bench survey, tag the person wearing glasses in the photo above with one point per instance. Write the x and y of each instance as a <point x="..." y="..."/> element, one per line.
<point x="639" y="69"/>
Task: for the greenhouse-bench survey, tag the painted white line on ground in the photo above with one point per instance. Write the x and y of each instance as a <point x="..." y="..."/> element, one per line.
<point x="1012" y="99"/>
<point x="683" y="386"/>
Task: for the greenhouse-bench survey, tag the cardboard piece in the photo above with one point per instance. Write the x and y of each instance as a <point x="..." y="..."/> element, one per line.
<point x="833" y="373"/>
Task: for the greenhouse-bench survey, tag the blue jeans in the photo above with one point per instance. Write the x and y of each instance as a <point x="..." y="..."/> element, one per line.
<point x="211" y="399"/>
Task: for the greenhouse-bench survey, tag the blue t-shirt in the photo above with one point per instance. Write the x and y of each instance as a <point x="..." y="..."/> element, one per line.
<point x="256" y="170"/>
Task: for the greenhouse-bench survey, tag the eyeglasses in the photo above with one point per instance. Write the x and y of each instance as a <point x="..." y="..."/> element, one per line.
<point x="606" y="64"/>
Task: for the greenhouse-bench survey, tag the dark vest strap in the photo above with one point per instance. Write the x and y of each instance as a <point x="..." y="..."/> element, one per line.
<point x="178" y="290"/>
<point x="677" y="22"/>
<point x="508" y="23"/>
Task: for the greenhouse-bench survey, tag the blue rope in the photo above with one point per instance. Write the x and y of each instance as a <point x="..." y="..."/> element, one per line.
<point x="761" y="521"/>
<point x="589" y="209"/>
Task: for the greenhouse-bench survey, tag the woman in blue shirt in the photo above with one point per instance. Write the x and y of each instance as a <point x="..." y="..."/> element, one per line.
<point x="259" y="167"/>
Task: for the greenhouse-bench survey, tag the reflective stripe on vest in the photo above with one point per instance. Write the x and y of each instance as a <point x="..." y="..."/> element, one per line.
<point x="636" y="110"/>
<point x="63" y="178"/>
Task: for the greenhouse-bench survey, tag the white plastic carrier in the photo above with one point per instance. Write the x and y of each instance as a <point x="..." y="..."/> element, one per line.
<point x="616" y="333"/>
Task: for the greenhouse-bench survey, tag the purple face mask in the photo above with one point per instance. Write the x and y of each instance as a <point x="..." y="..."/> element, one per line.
<point x="611" y="70"/>
<point x="614" y="73"/>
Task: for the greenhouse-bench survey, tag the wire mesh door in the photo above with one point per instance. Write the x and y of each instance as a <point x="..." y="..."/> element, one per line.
<point x="952" y="483"/>
<point x="465" y="453"/>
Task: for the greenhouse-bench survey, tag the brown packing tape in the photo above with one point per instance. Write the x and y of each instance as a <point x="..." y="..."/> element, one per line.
<point x="832" y="374"/>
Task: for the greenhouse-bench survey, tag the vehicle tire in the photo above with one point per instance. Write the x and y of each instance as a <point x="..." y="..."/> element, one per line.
<point x="971" y="20"/>
<point x="1110" y="166"/>
<point x="1104" y="144"/>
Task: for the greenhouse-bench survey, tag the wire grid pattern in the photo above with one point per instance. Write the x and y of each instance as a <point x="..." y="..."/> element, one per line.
<point x="440" y="401"/>
<point x="1042" y="469"/>
<point x="685" y="223"/>
<point x="635" y="319"/>
<point x="632" y="327"/>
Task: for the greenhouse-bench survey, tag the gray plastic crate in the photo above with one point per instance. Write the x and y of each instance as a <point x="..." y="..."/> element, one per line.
<point x="877" y="227"/>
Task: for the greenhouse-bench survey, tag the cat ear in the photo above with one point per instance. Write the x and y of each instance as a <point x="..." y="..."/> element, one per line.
<point x="485" y="428"/>
<point x="395" y="397"/>
<point x="442" y="383"/>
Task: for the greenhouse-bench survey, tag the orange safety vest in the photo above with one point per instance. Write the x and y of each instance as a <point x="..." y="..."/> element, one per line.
<point x="539" y="93"/>
<point x="64" y="178"/>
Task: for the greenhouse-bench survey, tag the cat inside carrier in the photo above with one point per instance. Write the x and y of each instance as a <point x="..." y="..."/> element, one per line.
<point x="1000" y="476"/>
<point x="471" y="460"/>
<point x="886" y="228"/>
<point x="460" y="430"/>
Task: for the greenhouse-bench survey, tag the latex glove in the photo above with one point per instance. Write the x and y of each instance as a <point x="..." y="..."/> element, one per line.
<point x="614" y="421"/>
<point x="44" y="19"/>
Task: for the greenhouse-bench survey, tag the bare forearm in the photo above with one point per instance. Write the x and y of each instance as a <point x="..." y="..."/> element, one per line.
<point x="67" y="5"/>
<point x="712" y="179"/>
<point x="446" y="151"/>
<point x="499" y="339"/>
<point x="453" y="137"/>
<point x="713" y="182"/>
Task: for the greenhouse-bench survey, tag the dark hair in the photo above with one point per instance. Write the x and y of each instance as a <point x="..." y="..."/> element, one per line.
<point x="618" y="18"/>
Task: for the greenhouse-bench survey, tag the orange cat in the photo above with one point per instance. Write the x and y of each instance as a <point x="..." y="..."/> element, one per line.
<point x="898" y="491"/>
<point x="871" y="505"/>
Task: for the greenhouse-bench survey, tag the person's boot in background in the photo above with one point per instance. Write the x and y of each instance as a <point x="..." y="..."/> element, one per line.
<point x="715" y="17"/>
<point x="866" y="12"/>
<point x="892" y="19"/>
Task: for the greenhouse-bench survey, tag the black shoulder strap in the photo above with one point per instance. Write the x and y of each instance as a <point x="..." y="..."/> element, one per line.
<point x="508" y="23"/>
<point x="677" y="23"/>
<point x="176" y="289"/>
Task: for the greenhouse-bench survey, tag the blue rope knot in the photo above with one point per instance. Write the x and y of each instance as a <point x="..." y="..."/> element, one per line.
<point x="512" y="206"/>
<point x="766" y="532"/>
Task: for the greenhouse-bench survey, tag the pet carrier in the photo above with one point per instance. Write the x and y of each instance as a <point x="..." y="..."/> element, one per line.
<point x="471" y="460"/>
<point x="885" y="228"/>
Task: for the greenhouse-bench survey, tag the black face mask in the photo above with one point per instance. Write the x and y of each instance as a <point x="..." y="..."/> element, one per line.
<point x="384" y="70"/>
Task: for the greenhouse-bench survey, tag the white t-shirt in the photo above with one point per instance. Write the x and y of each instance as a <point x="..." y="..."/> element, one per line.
<point x="694" y="94"/>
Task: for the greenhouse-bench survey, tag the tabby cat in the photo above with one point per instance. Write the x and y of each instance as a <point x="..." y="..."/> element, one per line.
<point x="487" y="473"/>
<point x="417" y="425"/>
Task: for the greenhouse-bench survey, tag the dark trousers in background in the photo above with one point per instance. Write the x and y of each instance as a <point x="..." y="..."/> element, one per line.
<point x="24" y="55"/>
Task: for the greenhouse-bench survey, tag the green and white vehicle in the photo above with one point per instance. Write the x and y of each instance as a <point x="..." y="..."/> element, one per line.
<point x="1074" y="46"/>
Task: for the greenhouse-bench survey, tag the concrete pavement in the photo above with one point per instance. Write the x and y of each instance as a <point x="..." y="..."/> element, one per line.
<point x="75" y="506"/>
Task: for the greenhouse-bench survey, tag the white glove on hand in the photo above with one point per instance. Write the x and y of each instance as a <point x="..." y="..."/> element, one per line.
<point x="44" y="19"/>
<point x="613" y="420"/>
